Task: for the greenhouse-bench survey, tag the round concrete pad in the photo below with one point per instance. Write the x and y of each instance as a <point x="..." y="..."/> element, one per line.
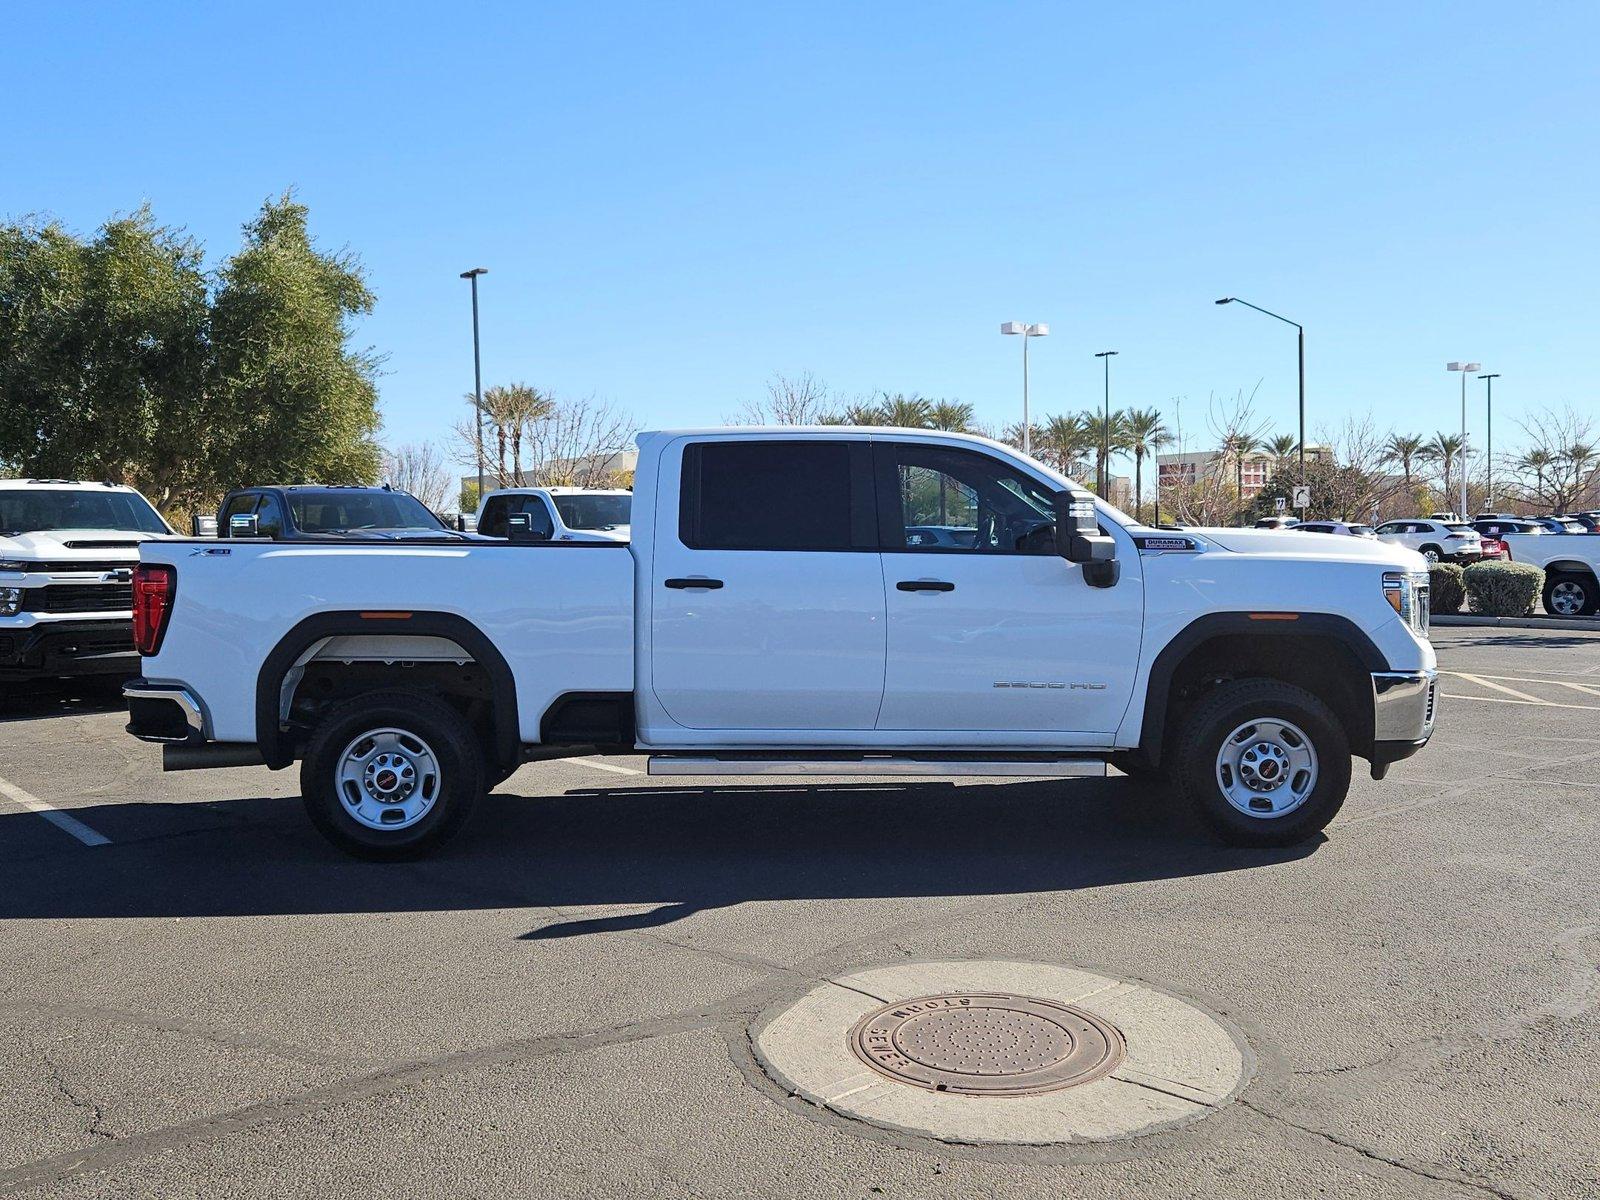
<point x="1182" y="1063"/>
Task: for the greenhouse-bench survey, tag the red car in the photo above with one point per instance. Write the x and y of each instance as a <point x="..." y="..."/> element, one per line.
<point x="1493" y="548"/>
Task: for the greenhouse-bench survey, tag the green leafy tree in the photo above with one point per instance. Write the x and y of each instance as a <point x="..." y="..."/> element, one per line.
<point x="103" y="352"/>
<point x="301" y="405"/>
<point x="121" y="358"/>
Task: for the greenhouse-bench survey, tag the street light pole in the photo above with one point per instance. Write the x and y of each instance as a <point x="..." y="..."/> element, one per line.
<point x="477" y="369"/>
<point x="1488" y="454"/>
<point x="1027" y="331"/>
<point x="1465" y="368"/>
<point x="1301" y="342"/>
<point x="1106" y="356"/>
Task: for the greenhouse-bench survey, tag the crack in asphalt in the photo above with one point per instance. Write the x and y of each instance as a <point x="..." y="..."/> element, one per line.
<point x="97" y="1114"/>
<point x="1410" y="1167"/>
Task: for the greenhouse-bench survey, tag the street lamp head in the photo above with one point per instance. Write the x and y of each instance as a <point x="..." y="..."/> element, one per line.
<point x="1105" y="353"/>
<point x="474" y="271"/>
<point x="1496" y="375"/>
<point x="1038" y="330"/>
<point x="1009" y="327"/>
<point x="1226" y="300"/>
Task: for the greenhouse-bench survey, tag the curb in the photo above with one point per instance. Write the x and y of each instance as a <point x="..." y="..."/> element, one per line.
<point x="1590" y="623"/>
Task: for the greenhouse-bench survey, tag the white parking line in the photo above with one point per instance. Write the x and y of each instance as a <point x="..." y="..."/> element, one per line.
<point x="1499" y="687"/>
<point x="55" y="816"/>
<point x="600" y="766"/>
<point x="1534" y="703"/>
<point x="1566" y="683"/>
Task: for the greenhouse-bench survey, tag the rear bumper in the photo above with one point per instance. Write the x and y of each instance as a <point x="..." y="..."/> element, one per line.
<point x="49" y="649"/>
<point x="164" y="712"/>
<point x="1403" y="709"/>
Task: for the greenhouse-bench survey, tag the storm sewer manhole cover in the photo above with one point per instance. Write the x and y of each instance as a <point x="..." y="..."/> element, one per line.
<point x="986" y="1044"/>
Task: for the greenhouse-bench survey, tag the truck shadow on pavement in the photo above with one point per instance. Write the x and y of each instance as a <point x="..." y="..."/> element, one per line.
<point x="677" y="849"/>
<point x="34" y="701"/>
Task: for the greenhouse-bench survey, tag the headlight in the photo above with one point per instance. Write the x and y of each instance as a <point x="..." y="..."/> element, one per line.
<point x="10" y="601"/>
<point x="1407" y="594"/>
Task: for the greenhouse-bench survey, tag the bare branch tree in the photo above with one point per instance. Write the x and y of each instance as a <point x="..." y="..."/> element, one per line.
<point x="1559" y="471"/>
<point x="580" y="443"/>
<point x="801" y="399"/>
<point x="420" y="468"/>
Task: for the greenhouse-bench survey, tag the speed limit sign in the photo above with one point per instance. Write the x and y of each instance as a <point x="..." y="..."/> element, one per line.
<point x="1302" y="497"/>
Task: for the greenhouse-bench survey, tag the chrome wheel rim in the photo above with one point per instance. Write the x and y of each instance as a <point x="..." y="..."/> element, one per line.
<point x="1267" y="768"/>
<point x="1566" y="598"/>
<point x="1431" y="555"/>
<point x="387" y="779"/>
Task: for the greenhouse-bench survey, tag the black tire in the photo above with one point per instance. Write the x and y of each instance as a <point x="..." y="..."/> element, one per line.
<point x="459" y="781"/>
<point x="1584" y="583"/>
<point x="1438" y="554"/>
<point x="1216" y="716"/>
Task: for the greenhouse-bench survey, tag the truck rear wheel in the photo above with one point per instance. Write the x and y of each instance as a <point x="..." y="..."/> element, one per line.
<point x="1263" y="762"/>
<point x="392" y="775"/>
<point x="1569" y="594"/>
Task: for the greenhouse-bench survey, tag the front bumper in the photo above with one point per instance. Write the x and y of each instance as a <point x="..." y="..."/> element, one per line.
<point x="1403" y="709"/>
<point x="49" y="649"/>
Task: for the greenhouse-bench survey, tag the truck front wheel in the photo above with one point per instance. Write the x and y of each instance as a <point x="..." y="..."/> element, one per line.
<point x="1263" y="762"/>
<point x="392" y="775"/>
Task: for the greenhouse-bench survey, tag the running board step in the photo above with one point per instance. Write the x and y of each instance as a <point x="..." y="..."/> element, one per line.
<point x="929" y="763"/>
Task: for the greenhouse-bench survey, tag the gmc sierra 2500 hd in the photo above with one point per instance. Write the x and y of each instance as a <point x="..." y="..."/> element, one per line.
<point x="772" y="615"/>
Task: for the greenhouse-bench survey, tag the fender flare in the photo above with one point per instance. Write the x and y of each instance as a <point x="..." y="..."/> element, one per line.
<point x="275" y="751"/>
<point x="1202" y="629"/>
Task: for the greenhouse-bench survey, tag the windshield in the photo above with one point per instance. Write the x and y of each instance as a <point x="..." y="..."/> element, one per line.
<point x="594" y="512"/>
<point x="33" y="510"/>
<point x="339" y="511"/>
<point x="1461" y="529"/>
<point x="1361" y="530"/>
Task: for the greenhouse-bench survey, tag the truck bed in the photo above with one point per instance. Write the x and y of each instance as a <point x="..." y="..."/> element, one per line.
<point x="560" y="613"/>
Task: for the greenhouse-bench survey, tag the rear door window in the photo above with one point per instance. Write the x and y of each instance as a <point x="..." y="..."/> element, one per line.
<point x="778" y="495"/>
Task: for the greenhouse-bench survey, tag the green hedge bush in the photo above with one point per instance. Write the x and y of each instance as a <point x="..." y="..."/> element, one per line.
<point x="1446" y="590"/>
<point x="1503" y="589"/>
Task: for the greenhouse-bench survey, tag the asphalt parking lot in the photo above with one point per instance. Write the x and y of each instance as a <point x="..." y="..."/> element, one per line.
<point x="200" y="997"/>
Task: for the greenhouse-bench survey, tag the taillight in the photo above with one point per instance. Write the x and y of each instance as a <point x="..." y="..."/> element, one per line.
<point x="154" y="586"/>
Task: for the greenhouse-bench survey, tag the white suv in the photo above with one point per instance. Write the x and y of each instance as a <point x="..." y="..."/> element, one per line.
<point x="1436" y="541"/>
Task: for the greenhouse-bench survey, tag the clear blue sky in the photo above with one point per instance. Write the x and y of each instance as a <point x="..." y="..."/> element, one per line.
<point x="676" y="201"/>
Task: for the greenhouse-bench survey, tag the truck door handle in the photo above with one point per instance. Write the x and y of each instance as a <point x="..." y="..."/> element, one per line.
<point x="709" y="584"/>
<point x="925" y="585"/>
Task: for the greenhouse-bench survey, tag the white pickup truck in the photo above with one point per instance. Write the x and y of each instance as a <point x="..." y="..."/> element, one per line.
<point x="1571" y="563"/>
<point x="67" y="553"/>
<point x="772" y="616"/>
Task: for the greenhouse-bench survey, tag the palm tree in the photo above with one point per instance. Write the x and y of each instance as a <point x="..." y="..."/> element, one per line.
<point x="1408" y="450"/>
<point x="1110" y="437"/>
<point x="1282" y="447"/>
<point x="951" y="416"/>
<point x="906" y="412"/>
<point x="1538" y="461"/>
<point x="511" y="409"/>
<point x="1445" y="449"/>
<point x="859" y="412"/>
<point x="1063" y="442"/>
<point x="1145" y="435"/>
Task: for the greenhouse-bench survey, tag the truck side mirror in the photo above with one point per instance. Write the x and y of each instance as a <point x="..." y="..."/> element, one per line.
<point x="244" y="525"/>
<point x="461" y="522"/>
<point x="519" y="528"/>
<point x="203" y="527"/>
<point x="1079" y="540"/>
